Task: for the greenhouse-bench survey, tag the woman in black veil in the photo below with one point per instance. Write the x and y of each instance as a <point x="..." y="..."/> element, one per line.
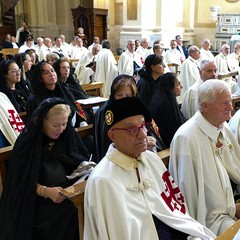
<point x="45" y="152"/>
<point x="164" y="107"/>
<point x="45" y="85"/>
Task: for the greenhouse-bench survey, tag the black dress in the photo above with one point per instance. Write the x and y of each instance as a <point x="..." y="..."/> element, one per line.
<point x="165" y="111"/>
<point x="145" y="88"/>
<point x="37" y="159"/>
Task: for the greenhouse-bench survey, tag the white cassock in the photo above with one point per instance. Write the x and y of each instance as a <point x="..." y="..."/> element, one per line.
<point x="143" y="52"/>
<point x="173" y="56"/>
<point x="43" y="53"/>
<point x="202" y="171"/>
<point x="23" y="48"/>
<point x="106" y="70"/>
<point x="118" y="206"/>
<point x="61" y="50"/>
<point x="38" y="50"/>
<point x="84" y="73"/>
<point x="234" y="124"/>
<point x="233" y="61"/>
<point x="189" y="73"/>
<point x="125" y="62"/>
<point x="206" y="55"/>
<point x="190" y="100"/>
<point x="222" y="67"/>
<point x="11" y="124"/>
<point x="221" y="63"/>
<point x="78" y="52"/>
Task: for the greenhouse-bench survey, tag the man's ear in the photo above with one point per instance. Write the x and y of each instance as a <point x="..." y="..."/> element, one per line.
<point x="204" y="106"/>
<point x="111" y="135"/>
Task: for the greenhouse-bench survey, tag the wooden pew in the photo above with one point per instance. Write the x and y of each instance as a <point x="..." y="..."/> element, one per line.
<point x="85" y="131"/>
<point x="174" y="65"/>
<point x="76" y="194"/>
<point x="9" y="51"/>
<point x="93" y="88"/>
<point x="230" y="232"/>
<point x="5" y="153"/>
<point x="164" y="155"/>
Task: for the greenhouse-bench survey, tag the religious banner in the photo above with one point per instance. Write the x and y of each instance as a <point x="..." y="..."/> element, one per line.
<point x="131" y="9"/>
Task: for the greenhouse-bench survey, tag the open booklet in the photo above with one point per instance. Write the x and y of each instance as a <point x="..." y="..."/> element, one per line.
<point x="92" y="100"/>
<point x="82" y="172"/>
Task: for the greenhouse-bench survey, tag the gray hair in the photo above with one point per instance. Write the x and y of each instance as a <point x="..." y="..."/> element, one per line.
<point x="192" y="49"/>
<point x="210" y="90"/>
<point x="205" y="62"/>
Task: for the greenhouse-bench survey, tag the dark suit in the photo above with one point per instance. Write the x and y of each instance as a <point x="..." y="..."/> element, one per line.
<point x="185" y="51"/>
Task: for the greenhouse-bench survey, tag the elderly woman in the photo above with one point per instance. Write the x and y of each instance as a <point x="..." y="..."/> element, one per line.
<point x="164" y="107"/>
<point x="150" y="74"/>
<point x="10" y="78"/>
<point x="63" y="69"/>
<point x="47" y="150"/>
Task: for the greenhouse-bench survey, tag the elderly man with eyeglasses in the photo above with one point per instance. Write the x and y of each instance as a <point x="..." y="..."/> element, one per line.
<point x="130" y="193"/>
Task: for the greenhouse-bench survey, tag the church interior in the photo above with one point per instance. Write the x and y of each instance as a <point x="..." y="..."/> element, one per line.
<point x="121" y="20"/>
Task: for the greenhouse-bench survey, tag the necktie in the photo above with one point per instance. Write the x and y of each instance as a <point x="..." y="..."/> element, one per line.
<point x="219" y="143"/>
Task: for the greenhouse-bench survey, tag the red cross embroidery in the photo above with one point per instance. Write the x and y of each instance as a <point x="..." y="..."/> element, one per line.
<point x="15" y="121"/>
<point x="172" y="195"/>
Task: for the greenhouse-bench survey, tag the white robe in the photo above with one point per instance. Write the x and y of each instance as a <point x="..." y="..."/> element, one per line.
<point x="189" y="73"/>
<point x="174" y="56"/>
<point x="234" y="124"/>
<point x="84" y="73"/>
<point x="43" y="53"/>
<point x="11" y="124"/>
<point x="221" y="63"/>
<point x="106" y="70"/>
<point x="117" y="207"/>
<point x="190" y="100"/>
<point x="143" y="52"/>
<point x="222" y="67"/>
<point x="202" y="175"/>
<point x="125" y="62"/>
<point x="233" y="62"/>
<point x="78" y="52"/>
<point x="206" y="55"/>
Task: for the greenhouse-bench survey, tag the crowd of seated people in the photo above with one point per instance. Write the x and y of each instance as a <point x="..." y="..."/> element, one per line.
<point x="44" y="71"/>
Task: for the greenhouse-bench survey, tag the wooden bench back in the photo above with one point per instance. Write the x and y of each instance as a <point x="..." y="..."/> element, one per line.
<point x="94" y="89"/>
<point x="9" y="51"/>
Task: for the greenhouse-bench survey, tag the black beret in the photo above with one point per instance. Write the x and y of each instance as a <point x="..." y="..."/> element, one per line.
<point x="120" y="109"/>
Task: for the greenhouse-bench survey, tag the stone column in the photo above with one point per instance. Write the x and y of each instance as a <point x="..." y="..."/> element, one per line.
<point x="189" y="13"/>
<point x="140" y="19"/>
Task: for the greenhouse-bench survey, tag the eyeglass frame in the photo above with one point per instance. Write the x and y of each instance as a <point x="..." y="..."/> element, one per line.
<point x="143" y="126"/>
<point x="15" y="71"/>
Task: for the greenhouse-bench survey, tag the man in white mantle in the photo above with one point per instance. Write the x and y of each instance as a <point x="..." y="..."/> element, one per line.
<point x="204" y="157"/>
<point x="190" y="69"/>
<point x="208" y="70"/>
<point x="11" y="124"/>
<point x="130" y="193"/>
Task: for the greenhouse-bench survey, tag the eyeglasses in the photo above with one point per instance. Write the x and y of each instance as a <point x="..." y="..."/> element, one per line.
<point x="16" y="71"/>
<point x="134" y="131"/>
